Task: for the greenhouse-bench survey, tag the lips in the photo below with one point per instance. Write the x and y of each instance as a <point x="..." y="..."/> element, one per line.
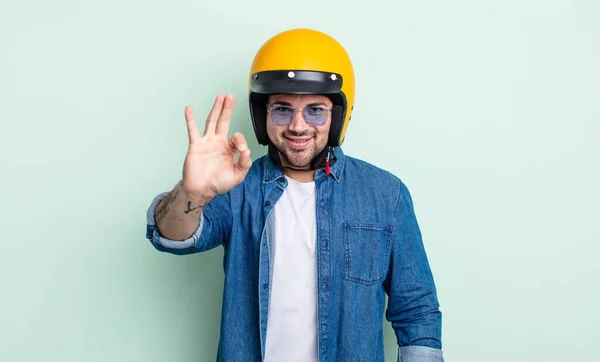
<point x="298" y="142"/>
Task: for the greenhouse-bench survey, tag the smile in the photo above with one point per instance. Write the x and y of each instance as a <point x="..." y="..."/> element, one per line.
<point x="298" y="142"/>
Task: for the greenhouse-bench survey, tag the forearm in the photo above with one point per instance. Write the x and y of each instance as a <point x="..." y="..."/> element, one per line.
<point x="178" y="215"/>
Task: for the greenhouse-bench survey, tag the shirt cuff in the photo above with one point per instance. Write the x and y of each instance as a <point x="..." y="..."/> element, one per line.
<point x="154" y="236"/>
<point x="419" y="354"/>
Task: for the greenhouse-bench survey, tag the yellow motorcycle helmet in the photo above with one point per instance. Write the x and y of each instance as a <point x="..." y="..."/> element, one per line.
<point x="302" y="61"/>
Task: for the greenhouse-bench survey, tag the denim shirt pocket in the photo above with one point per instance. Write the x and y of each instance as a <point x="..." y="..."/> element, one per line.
<point x="367" y="250"/>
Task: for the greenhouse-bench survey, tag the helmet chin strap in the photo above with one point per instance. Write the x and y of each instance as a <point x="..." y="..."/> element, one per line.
<point x="321" y="160"/>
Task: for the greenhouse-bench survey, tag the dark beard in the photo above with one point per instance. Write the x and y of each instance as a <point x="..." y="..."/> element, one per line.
<point x="283" y="153"/>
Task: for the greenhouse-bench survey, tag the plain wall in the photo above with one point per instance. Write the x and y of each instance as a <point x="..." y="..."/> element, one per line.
<point x="488" y="110"/>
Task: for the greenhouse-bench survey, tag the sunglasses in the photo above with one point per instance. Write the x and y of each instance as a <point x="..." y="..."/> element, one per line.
<point x="313" y="115"/>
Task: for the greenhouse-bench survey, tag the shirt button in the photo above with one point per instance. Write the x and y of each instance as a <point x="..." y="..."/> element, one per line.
<point x="267" y="203"/>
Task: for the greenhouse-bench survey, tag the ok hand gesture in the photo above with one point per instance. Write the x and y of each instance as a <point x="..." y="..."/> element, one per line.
<point x="210" y="167"/>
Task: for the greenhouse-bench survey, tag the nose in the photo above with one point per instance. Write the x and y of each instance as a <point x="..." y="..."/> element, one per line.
<point x="298" y="124"/>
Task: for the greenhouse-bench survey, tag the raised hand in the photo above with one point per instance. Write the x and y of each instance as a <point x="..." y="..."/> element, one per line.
<point x="210" y="166"/>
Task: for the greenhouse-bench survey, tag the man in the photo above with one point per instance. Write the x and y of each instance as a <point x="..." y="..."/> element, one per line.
<point x="313" y="239"/>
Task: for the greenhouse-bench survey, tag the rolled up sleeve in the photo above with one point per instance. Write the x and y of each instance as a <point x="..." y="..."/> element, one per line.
<point x="159" y="241"/>
<point x="419" y="354"/>
<point x="215" y="226"/>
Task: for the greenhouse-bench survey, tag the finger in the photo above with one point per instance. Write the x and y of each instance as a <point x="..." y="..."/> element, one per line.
<point x="244" y="163"/>
<point x="225" y="116"/>
<point x="213" y="116"/>
<point x="193" y="133"/>
<point x="237" y="142"/>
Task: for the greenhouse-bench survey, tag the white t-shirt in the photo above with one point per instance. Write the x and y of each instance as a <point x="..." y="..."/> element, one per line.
<point x="292" y="321"/>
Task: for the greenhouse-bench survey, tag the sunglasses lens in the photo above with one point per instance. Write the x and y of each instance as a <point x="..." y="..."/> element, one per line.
<point x="282" y="115"/>
<point x="316" y="116"/>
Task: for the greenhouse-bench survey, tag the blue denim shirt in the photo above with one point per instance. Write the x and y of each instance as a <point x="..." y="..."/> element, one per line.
<point x="368" y="245"/>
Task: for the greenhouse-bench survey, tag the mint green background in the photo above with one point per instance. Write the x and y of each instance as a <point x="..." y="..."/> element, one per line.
<point x="489" y="111"/>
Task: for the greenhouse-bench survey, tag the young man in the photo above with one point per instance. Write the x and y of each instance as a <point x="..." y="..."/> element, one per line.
<point x="313" y="239"/>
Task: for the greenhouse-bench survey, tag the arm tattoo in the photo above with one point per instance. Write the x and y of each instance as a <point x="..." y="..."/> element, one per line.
<point x="162" y="212"/>
<point x="164" y="207"/>
<point x="190" y="209"/>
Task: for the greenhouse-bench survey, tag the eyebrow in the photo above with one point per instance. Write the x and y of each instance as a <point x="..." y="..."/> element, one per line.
<point x="282" y="103"/>
<point x="288" y="104"/>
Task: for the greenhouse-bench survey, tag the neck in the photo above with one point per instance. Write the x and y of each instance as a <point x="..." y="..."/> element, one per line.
<point x="298" y="175"/>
